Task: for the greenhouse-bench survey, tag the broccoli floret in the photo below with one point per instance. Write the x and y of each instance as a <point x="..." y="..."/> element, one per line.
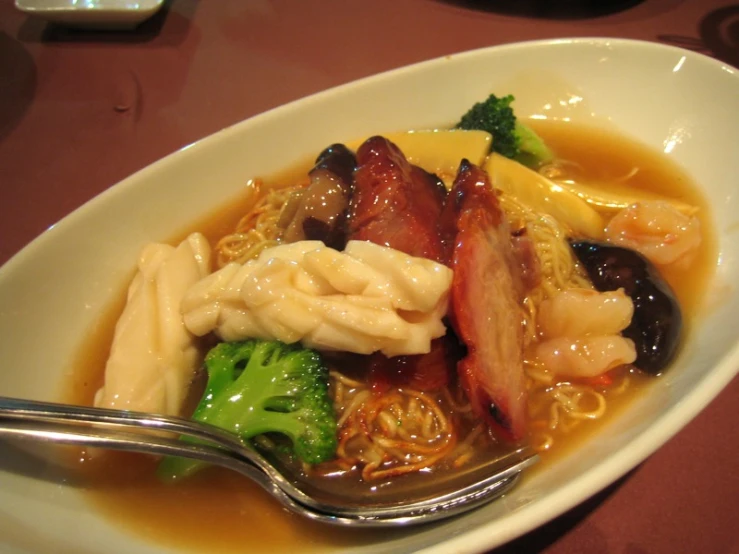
<point x="511" y="138"/>
<point x="256" y="387"/>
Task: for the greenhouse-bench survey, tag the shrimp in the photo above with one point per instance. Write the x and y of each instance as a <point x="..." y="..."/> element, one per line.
<point x="658" y="231"/>
<point x="578" y="312"/>
<point x="585" y="357"/>
<point x="581" y="330"/>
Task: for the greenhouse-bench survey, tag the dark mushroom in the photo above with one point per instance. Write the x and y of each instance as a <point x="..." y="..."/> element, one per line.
<point x="657" y="322"/>
<point x="319" y="211"/>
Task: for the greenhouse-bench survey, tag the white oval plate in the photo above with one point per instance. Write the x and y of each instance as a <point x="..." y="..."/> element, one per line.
<point x="677" y="101"/>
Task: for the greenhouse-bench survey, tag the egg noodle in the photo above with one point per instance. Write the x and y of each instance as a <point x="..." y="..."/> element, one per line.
<point x="258" y="228"/>
<point x="554" y="407"/>
<point x="406" y="430"/>
<point x="398" y="432"/>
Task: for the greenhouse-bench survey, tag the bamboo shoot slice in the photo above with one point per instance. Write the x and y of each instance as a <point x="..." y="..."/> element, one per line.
<point x="544" y="196"/>
<point x="615" y="198"/>
<point x="440" y="151"/>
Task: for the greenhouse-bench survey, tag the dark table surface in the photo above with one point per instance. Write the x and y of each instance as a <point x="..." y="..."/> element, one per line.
<point x="80" y="111"/>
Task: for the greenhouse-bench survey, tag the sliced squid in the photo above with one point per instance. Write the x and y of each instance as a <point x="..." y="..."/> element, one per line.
<point x="153" y="357"/>
<point x="365" y="299"/>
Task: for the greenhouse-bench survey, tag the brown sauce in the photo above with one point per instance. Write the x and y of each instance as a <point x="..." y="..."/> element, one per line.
<point x="219" y="511"/>
<point x="606" y="158"/>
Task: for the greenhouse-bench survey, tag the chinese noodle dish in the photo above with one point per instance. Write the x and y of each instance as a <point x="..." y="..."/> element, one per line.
<point x="415" y="303"/>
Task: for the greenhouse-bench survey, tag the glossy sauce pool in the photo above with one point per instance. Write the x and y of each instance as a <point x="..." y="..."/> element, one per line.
<point x="219" y="511"/>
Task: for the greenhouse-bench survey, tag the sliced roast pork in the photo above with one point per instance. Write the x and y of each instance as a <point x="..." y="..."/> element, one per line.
<point x="487" y="290"/>
<point x="397" y="204"/>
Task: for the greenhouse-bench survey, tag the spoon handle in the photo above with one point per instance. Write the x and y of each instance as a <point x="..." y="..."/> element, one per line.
<point x="148" y="425"/>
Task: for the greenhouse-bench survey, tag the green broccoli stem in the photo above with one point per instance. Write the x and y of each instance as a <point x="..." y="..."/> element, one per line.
<point x="511" y="138"/>
<point x="532" y="149"/>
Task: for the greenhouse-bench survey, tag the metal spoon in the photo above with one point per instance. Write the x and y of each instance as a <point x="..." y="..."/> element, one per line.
<point x="160" y="435"/>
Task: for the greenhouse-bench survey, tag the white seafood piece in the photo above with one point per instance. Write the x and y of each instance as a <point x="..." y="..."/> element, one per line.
<point x="581" y="329"/>
<point x="153" y="357"/>
<point x="657" y="230"/>
<point x="585" y="357"/>
<point x="578" y="312"/>
<point x="367" y="298"/>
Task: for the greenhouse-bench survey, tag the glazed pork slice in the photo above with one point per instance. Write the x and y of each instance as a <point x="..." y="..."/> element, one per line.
<point x="486" y="313"/>
<point x="395" y="203"/>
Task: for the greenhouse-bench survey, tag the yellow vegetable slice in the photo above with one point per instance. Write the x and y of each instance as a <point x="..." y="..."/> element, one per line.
<point x="615" y="198"/>
<point x="544" y="196"/>
<point x="440" y="151"/>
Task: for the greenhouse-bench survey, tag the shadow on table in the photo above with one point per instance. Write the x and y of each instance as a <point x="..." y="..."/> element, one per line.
<point x="718" y="35"/>
<point x="551" y="532"/>
<point x="719" y="30"/>
<point x="168" y="27"/>
<point x="18" y="82"/>
<point x="549" y="9"/>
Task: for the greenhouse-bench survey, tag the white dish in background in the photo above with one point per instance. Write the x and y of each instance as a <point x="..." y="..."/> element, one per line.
<point x="673" y="100"/>
<point x="102" y="14"/>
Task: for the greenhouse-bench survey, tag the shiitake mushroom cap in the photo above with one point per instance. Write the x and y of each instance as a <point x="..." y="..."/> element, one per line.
<point x="656" y="326"/>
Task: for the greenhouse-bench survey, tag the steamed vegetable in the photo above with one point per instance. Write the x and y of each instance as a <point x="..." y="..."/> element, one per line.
<point x="511" y="138"/>
<point x="256" y="387"/>
<point x="542" y="195"/>
<point x="613" y="198"/>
